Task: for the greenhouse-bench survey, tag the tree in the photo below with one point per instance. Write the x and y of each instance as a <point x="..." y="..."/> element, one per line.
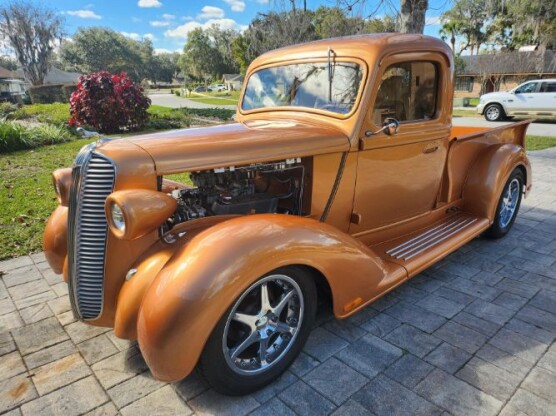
<point x="412" y="15"/>
<point x="199" y="57"/>
<point x="239" y="52"/>
<point x="331" y="22"/>
<point x="275" y="30"/>
<point x="32" y="32"/>
<point x="164" y="67"/>
<point x="467" y="19"/>
<point x="102" y="49"/>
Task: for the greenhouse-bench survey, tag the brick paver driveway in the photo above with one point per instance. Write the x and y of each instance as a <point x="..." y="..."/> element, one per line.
<point x="473" y="335"/>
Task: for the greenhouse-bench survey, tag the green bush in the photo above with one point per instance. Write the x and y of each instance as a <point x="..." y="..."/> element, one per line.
<point x="7" y="108"/>
<point x="177" y="92"/>
<point x="15" y="136"/>
<point x="219" y="113"/>
<point x="57" y="114"/>
<point x="47" y="94"/>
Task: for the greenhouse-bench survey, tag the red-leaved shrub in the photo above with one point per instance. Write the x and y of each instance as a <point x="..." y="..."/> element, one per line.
<point x="109" y="103"/>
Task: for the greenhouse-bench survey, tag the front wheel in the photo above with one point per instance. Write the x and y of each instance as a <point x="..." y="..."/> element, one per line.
<point x="494" y="112"/>
<point x="508" y="206"/>
<point x="261" y="333"/>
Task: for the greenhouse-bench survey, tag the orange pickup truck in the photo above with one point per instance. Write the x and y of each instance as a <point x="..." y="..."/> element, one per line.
<point x="341" y="178"/>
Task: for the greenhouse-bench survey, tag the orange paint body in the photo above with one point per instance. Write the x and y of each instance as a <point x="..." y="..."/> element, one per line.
<point x="390" y="190"/>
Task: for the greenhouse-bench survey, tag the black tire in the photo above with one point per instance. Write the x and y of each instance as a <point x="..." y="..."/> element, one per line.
<point x="227" y="374"/>
<point x="494" y="112"/>
<point x="502" y="222"/>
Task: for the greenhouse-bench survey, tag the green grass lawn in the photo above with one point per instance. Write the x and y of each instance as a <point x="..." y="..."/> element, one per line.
<point x="215" y="98"/>
<point x="539" y="142"/>
<point x="27" y="196"/>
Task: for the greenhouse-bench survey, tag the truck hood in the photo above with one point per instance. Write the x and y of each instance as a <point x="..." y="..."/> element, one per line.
<point x="236" y="144"/>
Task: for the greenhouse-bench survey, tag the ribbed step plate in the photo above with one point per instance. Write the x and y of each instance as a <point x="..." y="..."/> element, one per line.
<point x="430" y="237"/>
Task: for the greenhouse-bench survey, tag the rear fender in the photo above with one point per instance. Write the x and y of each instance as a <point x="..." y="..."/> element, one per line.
<point x="201" y="281"/>
<point x="488" y="175"/>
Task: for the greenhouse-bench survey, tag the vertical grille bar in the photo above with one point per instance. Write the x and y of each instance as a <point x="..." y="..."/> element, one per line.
<point x="92" y="182"/>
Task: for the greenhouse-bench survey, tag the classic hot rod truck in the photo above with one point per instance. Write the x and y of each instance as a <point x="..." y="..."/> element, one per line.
<point x="341" y="178"/>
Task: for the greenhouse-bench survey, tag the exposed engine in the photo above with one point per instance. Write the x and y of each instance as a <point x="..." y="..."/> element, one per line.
<point x="258" y="188"/>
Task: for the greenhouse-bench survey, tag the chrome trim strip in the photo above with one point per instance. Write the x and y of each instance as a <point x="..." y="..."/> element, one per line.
<point x="457" y="230"/>
<point x="429" y="238"/>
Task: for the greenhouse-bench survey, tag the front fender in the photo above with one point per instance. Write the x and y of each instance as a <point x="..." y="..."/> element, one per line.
<point x="488" y="175"/>
<point x="203" y="278"/>
<point x="55" y="239"/>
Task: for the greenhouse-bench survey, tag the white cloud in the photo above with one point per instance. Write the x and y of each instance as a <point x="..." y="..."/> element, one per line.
<point x="158" y="51"/>
<point x="183" y="30"/>
<point x="136" y="19"/>
<point x="84" y="14"/>
<point x="432" y="21"/>
<point x="149" y="36"/>
<point x="187" y="18"/>
<point x="166" y="21"/>
<point x="159" y="23"/>
<point x="132" y="35"/>
<point x="149" y="3"/>
<point x="236" y="5"/>
<point x="211" y="12"/>
<point x="263" y="1"/>
<point x="89" y="6"/>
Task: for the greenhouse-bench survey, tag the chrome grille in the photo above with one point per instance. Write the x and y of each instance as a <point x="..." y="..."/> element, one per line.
<point x="92" y="182"/>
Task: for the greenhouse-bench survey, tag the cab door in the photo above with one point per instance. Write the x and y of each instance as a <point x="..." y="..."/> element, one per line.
<point x="547" y="98"/>
<point x="525" y="100"/>
<point x="399" y="176"/>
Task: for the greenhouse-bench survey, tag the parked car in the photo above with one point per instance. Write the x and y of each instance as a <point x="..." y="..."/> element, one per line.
<point x="532" y="98"/>
<point x="217" y="87"/>
<point x="200" y="88"/>
<point x="337" y="190"/>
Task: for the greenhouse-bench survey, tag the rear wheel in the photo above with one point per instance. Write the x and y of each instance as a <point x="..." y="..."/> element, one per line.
<point x="494" y="112"/>
<point x="508" y="206"/>
<point x="261" y="333"/>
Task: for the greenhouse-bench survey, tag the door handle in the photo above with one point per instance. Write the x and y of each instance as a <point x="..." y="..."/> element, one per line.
<point x="430" y="149"/>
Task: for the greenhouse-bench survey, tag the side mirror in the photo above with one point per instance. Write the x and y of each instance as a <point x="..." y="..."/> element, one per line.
<point x="390" y="126"/>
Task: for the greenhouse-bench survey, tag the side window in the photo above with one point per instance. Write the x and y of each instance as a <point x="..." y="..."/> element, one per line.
<point x="527" y="88"/>
<point x="408" y="91"/>
<point x="548" y="87"/>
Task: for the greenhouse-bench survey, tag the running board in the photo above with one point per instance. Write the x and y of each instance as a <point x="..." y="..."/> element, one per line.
<point x="430" y="238"/>
<point x="421" y="248"/>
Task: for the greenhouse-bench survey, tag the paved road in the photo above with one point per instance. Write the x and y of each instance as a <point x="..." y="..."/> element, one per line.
<point x="538" y="128"/>
<point x="472" y="335"/>
<point x="170" y="100"/>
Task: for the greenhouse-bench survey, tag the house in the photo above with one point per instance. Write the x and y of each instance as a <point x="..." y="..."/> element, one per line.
<point x="503" y="71"/>
<point x="233" y="82"/>
<point x="12" y="87"/>
<point x="56" y="76"/>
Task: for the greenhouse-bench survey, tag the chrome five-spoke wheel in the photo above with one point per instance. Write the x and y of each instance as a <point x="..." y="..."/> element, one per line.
<point x="509" y="202"/>
<point x="508" y="205"/>
<point x="262" y="332"/>
<point x="263" y="324"/>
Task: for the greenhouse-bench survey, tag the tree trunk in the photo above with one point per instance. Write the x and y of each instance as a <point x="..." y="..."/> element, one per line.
<point x="412" y="15"/>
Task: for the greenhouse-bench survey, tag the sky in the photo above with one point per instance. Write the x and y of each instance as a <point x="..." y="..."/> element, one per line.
<point x="167" y="22"/>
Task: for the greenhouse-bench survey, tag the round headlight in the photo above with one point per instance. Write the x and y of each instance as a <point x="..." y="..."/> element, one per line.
<point x="117" y="217"/>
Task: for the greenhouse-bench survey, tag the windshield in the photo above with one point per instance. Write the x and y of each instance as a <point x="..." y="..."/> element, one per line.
<point x="309" y="85"/>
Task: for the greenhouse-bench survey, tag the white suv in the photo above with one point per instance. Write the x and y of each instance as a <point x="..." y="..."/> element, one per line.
<point x="532" y="98"/>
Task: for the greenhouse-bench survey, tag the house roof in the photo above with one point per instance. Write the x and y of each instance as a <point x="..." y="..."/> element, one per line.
<point x="511" y="63"/>
<point x="6" y="73"/>
<point x="57" y="76"/>
<point x="232" y="77"/>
